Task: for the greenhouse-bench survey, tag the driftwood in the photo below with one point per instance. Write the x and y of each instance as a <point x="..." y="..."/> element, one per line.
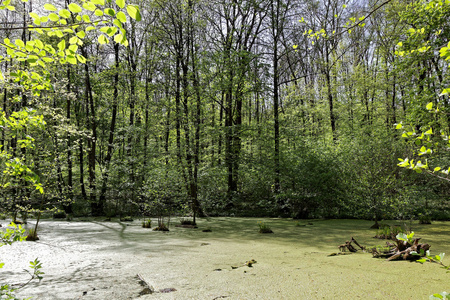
<point x="348" y="246"/>
<point x="402" y="250"/>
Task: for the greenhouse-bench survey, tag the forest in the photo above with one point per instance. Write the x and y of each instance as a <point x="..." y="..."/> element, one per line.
<point x="268" y="108"/>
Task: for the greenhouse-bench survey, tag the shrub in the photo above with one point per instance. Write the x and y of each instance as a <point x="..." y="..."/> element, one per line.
<point x="424" y="219"/>
<point x="187" y="222"/>
<point x="32" y="235"/>
<point x="264" y="228"/>
<point x="161" y="227"/>
<point x="147" y="224"/>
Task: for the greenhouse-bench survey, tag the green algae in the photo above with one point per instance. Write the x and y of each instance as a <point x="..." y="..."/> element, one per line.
<point x="103" y="258"/>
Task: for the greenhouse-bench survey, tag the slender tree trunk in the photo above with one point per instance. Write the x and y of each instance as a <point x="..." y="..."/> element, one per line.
<point x="81" y="159"/>
<point x="68" y="206"/>
<point x="97" y="207"/>
<point x="4" y="107"/>
<point x="275" y="33"/>
<point x="112" y="127"/>
<point x="194" y="190"/>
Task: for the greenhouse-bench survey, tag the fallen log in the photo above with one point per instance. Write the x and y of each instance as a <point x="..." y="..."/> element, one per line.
<point x="402" y="249"/>
<point x="348" y="246"/>
<point x="406" y="249"/>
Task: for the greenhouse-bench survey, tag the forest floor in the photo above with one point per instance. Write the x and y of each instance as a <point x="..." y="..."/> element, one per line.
<point x="101" y="260"/>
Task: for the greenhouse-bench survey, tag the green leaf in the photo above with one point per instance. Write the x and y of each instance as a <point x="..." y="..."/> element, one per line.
<point x="62" y="45"/>
<point x="118" y="23"/>
<point x="105" y="29"/>
<point x="31" y="60"/>
<point x="73" y="48"/>
<point x="74" y="8"/>
<point x="50" y="7"/>
<point x="59" y="34"/>
<point x="81" y="59"/>
<point x="102" y="39"/>
<point x="34" y="15"/>
<point x="120" y="3"/>
<point x="109" y="11"/>
<point x="39" y="44"/>
<point x="73" y="40"/>
<point x="445" y="92"/>
<point x="98" y="13"/>
<point x="53" y="17"/>
<point x="118" y="38"/>
<point x="100" y="2"/>
<point x="422" y="260"/>
<point x="402" y="236"/>
<point x="81" y="34"/>
<point x="72" y="59"/>
<point x="111" y="31"/>
<point x="121" y="17"/>
<point x="64" y="13"/>
<point x="133" y="12"/>
<point x="89" y="6"/>
<point x="429" y="106"/>
<point x="19" y="43"/>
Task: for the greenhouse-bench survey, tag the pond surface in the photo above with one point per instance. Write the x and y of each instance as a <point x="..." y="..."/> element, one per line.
<point x="101" y="260"/>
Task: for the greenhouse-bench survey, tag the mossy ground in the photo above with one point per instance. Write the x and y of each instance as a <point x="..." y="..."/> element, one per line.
<point x="103" y="259"/>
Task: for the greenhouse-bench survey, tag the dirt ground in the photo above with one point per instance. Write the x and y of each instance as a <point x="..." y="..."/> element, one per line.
<point x="101" y="260"/>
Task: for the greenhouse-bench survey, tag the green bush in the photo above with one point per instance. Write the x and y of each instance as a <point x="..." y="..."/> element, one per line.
<point x="264" y="228"/>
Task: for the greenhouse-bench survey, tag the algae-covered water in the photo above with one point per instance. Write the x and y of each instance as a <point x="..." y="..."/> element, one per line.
<point x="101" y="260"/>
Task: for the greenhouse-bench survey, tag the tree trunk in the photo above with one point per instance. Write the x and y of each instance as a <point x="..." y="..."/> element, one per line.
<point x="97" y="207"/>
<point x="112" y="127"/>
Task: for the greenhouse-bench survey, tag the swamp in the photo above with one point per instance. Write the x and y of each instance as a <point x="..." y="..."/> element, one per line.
<point x="217" y="149"/>
<point x="101" y="260"/>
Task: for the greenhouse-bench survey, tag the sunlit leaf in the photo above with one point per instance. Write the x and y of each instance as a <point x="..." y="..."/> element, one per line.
<point x="118" y="38"/>
<point x="133" y="12"/>
<point x="121" y="17"/>
<point x="81" y="59"/>
<point x="120" y="3"/>
<point x="53" y="17"/>
<point x="50" y="7"/>
<point x="109" y="11"/>
<point x="102" y="39"/>
<point x="89" y="6"/>
<point x="64" y="13"/>
<point x="75" y="8"/>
